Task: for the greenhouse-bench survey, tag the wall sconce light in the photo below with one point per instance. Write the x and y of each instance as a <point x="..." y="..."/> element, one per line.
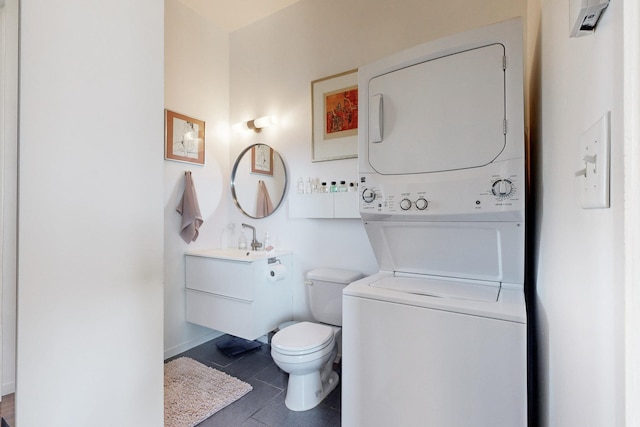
<point x="261" y="122"/>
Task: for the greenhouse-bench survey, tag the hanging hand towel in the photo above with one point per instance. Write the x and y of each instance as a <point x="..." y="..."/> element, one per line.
<point x="263" y="205"/>
<point x="190" y="211"/>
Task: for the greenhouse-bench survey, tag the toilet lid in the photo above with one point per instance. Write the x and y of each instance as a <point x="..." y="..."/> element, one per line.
<point x="303" y="337"/>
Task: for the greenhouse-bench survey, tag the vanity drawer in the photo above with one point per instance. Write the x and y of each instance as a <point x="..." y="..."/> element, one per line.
<point x="226" y="278"/>
<point x="229" y="315"/>
<point x="235" y="296"/>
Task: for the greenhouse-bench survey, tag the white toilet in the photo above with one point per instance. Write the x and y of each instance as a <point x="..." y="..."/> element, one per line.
<point x="307" y="350"/>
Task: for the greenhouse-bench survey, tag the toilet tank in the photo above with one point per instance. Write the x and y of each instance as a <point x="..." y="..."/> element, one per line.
<point x="325" y="287"/>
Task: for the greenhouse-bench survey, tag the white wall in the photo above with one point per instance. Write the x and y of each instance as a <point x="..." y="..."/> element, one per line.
<point x="580" y="258"/>
<point x="196" y="84"/>
<point x="9" y="139"/>
<point x="90" y="219"/>
<point x="632" y="208"/>
<point x="273" y="62"/>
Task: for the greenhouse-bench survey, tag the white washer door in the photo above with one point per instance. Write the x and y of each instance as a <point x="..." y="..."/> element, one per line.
<point x="443" y="114"/>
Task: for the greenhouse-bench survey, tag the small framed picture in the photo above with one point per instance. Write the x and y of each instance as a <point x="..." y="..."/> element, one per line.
<point x="334" y="109"/>
<point x="184" y="138"/>
<point x="262" y="159"/>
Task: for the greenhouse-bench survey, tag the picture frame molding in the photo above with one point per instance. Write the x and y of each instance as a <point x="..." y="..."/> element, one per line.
<point x="261" y="169"/>
<point x="336" y="147"/>
<point x="173" y="119"/>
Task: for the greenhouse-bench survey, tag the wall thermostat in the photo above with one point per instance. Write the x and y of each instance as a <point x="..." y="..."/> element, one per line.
<point x="585" y="15"/>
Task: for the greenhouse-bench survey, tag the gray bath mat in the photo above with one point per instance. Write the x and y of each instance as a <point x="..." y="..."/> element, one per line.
<point x="193" y="392"/>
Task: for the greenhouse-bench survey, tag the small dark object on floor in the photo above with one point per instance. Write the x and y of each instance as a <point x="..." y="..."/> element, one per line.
<point x="4" y="423"/>
<point x="234" y="346"/>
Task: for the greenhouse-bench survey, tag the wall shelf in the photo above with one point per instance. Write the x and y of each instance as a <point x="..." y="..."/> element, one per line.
<point x="324" y="205"/>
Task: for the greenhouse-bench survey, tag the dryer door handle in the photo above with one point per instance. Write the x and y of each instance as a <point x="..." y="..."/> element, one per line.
<point x="375" y="118"/>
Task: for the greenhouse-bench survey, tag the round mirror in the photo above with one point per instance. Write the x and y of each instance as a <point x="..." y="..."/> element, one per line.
<point x="258" y="181"/>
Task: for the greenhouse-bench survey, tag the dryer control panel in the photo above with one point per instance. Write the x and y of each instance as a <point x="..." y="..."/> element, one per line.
<point x="481" y="194"/>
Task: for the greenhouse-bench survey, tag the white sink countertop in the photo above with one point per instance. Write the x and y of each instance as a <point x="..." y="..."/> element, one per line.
<point x="243" y="255"/>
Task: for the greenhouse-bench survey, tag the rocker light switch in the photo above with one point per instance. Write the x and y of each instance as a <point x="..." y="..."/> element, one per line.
<point x="594" y="161"/>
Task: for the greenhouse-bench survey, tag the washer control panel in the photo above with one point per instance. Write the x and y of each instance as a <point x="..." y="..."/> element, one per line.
<point x="396" y="196"/>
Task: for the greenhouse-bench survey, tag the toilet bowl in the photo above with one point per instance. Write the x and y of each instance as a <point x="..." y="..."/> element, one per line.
<point x="307" y="350"/>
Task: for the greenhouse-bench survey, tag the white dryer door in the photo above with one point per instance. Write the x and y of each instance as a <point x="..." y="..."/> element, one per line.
<point x="443" y="114"/>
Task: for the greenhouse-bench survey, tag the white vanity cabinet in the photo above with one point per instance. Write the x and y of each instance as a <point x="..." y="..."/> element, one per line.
<point x="229" y="291"/>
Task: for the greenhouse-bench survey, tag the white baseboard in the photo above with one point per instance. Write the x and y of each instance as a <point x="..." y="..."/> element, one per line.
<point x="170" y="352"/>
<point x="8" y="388"/>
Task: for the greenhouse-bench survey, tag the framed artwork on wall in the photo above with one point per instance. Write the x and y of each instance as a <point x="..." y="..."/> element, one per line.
<point x="334" y="110"/>
<point x="262" y="159"/>
<point x="184" y="138"/>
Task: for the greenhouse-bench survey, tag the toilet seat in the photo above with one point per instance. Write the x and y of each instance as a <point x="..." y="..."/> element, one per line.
<point x="302" y="338"/>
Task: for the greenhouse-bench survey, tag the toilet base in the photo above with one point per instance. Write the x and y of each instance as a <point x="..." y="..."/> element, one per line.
<point x="305" y="392"/>
<point x="311" y="376"/>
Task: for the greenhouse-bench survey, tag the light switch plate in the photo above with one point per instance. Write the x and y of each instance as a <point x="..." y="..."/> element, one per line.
<point x="594" y="156"/>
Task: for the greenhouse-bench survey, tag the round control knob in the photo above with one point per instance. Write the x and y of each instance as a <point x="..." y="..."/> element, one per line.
<point x="405" y="204"/>
<point x="422" y="203"/>
<point x="502" y="188"/>
<point x="368" y="195"/>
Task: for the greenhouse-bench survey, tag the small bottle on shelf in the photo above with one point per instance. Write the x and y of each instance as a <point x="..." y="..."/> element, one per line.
<point x="307" y="186"/>
<point x="266" y="243"/>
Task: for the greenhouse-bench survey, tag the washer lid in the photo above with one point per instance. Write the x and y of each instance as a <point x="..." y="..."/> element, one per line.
<point x="441" y="288"/>
<point x="303" y="337"/>
<point x="491" y="251"/>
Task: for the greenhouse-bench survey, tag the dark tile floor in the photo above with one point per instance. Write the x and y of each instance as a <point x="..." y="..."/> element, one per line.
<point x="264" y="405"/>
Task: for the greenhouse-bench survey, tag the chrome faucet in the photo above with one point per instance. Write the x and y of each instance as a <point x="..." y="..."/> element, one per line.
<point x="255" y="245"/>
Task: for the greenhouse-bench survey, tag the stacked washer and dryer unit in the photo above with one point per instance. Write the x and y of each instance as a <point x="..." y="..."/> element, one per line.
<point x="438" y="336"/>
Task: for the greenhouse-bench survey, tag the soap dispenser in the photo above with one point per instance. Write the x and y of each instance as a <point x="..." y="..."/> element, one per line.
<point x="227" y="236"/>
